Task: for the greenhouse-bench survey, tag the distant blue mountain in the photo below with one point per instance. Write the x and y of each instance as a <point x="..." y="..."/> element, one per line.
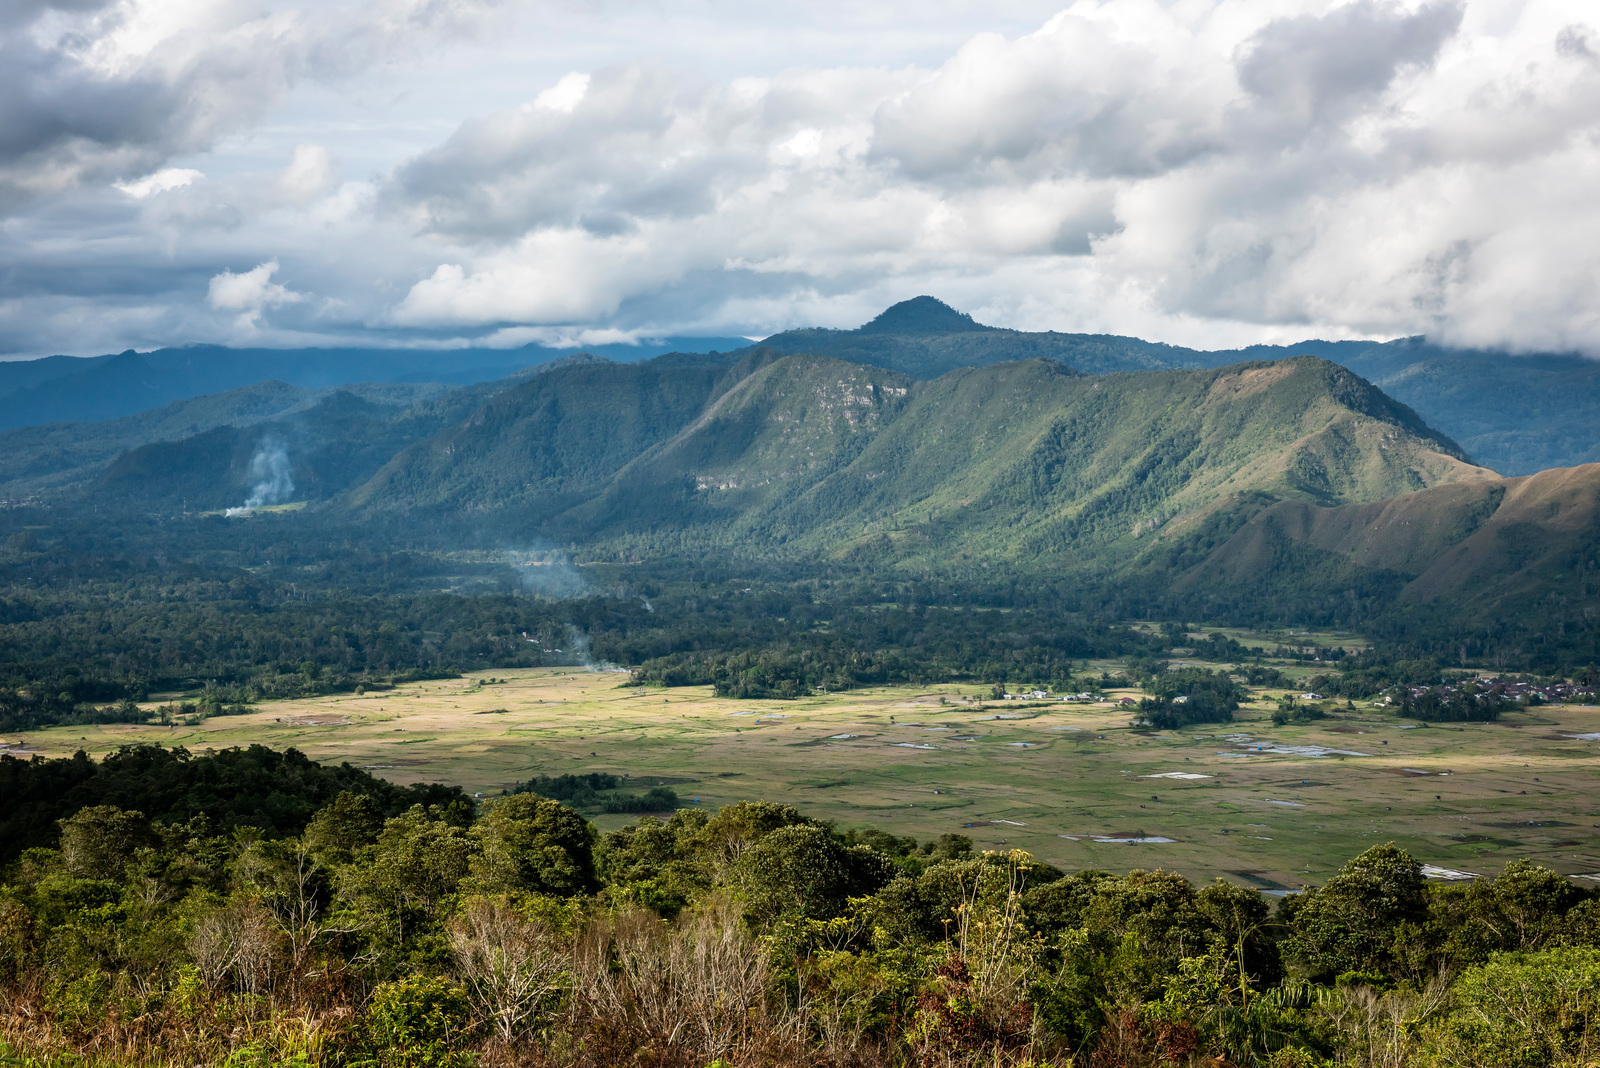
<point x="71" y="389"/>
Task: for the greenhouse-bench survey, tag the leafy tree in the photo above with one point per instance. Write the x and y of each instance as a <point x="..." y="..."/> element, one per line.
<point x="276" y="792"/>
<point x="803" y="871"/>
<point x="1525" y="907"/>
<point x="402" y="879"/>
<point x="737" y="828"/>
<point x="656" y="864"/>
<point x="418" y="1022"/>
<point x="340" y="830"/>
<point x="530" y="844"/>
<point x="98" y="842"/>
<point x="1524" y="1010"/>
<point x="1357" y="922"/>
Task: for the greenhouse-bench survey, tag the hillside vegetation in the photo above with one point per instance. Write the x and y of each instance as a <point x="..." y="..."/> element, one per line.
<point x="807" y="455"/>
<point x="1516" y="414"/>
<point x="1242" y="493"/>
<point x="1481" y="549"/>
<point x="360" y="931"/>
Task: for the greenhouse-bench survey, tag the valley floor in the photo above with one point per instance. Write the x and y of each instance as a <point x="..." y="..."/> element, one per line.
<point x="1270" y="807"/>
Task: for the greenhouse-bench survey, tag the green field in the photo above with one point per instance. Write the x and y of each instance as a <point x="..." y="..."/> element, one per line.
<point x="926" y="762"/>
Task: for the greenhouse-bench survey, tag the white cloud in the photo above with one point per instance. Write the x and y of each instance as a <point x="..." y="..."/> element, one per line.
<point x="565" y="95"/>
<point x="309" y="173"/>
<point x="250" y="293"/>
<point x="97" y="88"/>
<point x="160" y="182"/>
<point x="512" y="337"/>
<point x="1206" y="172"/>
<point x="1294" y="166"/>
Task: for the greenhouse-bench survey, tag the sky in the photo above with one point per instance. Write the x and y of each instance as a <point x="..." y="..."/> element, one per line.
<point x="449" y="173"/>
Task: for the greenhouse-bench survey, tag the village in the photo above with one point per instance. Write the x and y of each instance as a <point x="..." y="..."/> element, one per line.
<point x="1484" y="686"/>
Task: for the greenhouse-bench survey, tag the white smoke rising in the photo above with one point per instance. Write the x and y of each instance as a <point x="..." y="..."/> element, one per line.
<point x="578" y="650"/>
<point x="269" y="467"/>
<point x="547" y="573"/>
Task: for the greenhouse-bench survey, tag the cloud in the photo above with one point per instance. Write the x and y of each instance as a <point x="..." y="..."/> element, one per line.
<point x="250" y="293"/>
<point x="1316" y="72"/>
<point x="1211" y="172"/>
<point x="160" y="182"/>
<point x="310" y="173"/>
<point x="114" y="89"/>
<point x="1371" y="168"/>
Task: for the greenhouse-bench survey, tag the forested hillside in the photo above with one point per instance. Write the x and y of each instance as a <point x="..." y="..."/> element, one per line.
<point x="1249" y="492"/>
<point x="1494" y="552"/>
<point x="805" y="456"/>
<point x="1515" y="414"/>
<point x="346" y="928"/>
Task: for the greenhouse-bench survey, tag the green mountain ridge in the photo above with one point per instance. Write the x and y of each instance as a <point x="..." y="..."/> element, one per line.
<point x="332" y="440"/>
<point x="1284" y="486"/>
<point x="1514" y="413"/>
<point x="797" y="457"/>
<point x="68" y="389"/>
<point x="545" y="444"/>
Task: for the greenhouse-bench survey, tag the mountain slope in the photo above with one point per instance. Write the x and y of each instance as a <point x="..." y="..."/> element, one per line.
<point x="338" y="441"/>
<point x="1486" y="548"/>
<point x="805" y="456"/>
<point x="775" y="431"/>
<point x="923" y="337"/>
<point x="64" y="389"/>
<point x="58" y="458"/>
<point x="1516" y="414"/>
<point x="1025" y="460"/>
<point x="546" y="444"/>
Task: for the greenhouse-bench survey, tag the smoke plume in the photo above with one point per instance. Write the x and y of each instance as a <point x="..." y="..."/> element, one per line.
<point x="547" y="573"/>
<point x="269" y="469"/>
<point x="578" y="650"/>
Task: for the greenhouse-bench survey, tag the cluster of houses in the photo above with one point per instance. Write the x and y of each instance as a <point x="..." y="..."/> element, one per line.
<point x="1046" y="695"/>
<point x="1556" y="692"/>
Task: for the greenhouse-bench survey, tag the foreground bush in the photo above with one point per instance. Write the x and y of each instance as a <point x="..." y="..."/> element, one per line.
<point x="444" y="936"/>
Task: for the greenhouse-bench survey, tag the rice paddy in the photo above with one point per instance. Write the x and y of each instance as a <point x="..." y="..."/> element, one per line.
<point x="1271" y="807"/>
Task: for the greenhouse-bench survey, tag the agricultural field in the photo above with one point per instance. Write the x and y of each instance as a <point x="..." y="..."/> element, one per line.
<point x="1271" y="807"/>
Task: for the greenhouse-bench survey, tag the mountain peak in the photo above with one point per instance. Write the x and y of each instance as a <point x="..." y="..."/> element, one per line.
<point x="922" y="315"/>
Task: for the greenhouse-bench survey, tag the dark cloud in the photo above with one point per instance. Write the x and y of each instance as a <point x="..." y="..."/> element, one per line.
<point x="91" y="92"/>
<point x="1316" y="71"/>
<point x="1576" y="42"/>
<point x="16" y="13"/>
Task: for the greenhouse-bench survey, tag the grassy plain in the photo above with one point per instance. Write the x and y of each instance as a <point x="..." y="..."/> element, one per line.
<point x="925" y="762"/>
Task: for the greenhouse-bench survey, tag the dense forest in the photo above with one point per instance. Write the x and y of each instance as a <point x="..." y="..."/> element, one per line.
<point x="345" y="923"/>
<point x="94" y="616"/>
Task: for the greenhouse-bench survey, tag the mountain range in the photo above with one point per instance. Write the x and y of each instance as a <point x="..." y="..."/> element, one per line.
<point x="69" y="389"/>
<point x="1292" y="478"/>
<point x="1516" y="414"/>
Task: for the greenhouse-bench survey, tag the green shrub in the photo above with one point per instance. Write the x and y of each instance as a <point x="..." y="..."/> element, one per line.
<point x="1525" y="1010"/>
<point x="418" y="1022"/>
